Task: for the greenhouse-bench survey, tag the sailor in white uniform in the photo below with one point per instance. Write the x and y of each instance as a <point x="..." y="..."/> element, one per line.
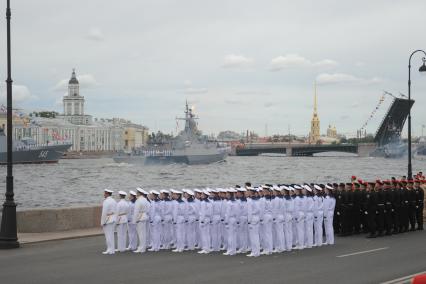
<point x="167" y="222"/>
<point x="242" y="228"/>
<point x="109" y="209"/>
<point x="133" y="236"/>
<point x="309" y="216"/>
<point x="328" y="206"/>
<point x="122" y="213"/>
<point x="288" y="218"/>
<point x="253" y="219"/>
<point x="216" y="221"/>
<point x="141" y="219"/>
<point x="231" y="222"/>
<point x="278" y="219"/>
<point x="268" y="245"/>
<point x="191" y="223"/>
<point x="206" y="211"/>
<point x="155" y="220"/>
<point x="179" y="219"/>
<point x="299" y="209"/>
<point x="318" y="215"/>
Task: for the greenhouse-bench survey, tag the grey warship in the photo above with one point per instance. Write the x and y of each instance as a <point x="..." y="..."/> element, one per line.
<point x="26" y="151"/>
<point x="189" y="147"/>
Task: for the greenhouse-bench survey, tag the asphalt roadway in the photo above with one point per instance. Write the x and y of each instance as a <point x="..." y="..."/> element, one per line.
<point x="354" y="259"/>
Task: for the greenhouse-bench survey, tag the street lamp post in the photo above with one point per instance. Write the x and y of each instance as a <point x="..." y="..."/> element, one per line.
<point x="421" y="69"/>
<point x="8" y="231"/>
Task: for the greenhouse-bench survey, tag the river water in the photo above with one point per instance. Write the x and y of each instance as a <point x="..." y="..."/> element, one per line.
<point x="81" y="182"/>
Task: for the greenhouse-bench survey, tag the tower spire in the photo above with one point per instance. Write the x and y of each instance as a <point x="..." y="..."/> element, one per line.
<point x="315" y="98"/>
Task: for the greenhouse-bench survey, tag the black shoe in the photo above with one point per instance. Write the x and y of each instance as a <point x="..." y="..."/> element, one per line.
<point x="371" y="236"/>
<point x="412" y="229"/>
<point x="420" y="228"/>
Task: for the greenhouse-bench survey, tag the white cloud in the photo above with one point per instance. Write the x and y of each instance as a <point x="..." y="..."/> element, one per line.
<point x="233" y="61"/>
<point x="95" y="34"/>
<point x="297" y="61"/>
<point x="341" y="78"/>
<point x="190" y="90"/>
<point x="86" y="81"/>
<point x="20" y="93"/>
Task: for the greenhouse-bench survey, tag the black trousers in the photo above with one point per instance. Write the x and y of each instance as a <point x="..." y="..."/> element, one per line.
<point x="371" y="222"/>
<point x="419" y="217"/>
<point x="380" y="219"/>
<point x="356" y="219"/>
<point x="388" y="219"/>
<point x="412" y="216"/>
<point x="403" y="218"/>
<point x="395" y="218"/>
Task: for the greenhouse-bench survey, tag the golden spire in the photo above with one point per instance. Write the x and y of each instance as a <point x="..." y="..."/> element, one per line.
<point x="315" y="98"/>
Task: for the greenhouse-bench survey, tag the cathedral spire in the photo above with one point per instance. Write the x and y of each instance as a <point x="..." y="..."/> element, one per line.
<point x="315" y="99"/>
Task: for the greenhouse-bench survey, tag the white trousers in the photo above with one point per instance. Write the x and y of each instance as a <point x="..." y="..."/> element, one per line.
<point x="190" y="232"/>
<point x="156" y="235"/>
<point x="242" y="234"/>
<point x="300" y="226"/>
<point x="232" y="236"/>
<point x="288" y="231"/>
<point x="180" y="236"/>
<point x="294" y="230"/>
<point x="278" y="226"/>
<point x="267" y="233"/>
<point x="318" y="229"/>
<point x="254" y="238"/>
<point x="109" y="237"/>
<point x="167" y="229"/>
<point x="121" y="237"/>
<point x="309" y="229"/>
<point x="328" y="226"/>
<point x="133" y="236"/>
<point x="142" y="230"/>
<point x="205" y="235"/>
<point x="215" y="233"/>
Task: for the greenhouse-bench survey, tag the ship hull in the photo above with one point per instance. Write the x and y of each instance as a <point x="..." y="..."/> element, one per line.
<point x="48" y="154"/>
<point x="164" y="160"/>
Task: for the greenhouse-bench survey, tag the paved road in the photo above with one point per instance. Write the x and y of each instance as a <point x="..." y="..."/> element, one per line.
<point x="352" y="260"/>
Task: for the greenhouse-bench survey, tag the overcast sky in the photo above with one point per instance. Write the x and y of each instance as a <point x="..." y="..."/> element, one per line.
<point x="242" y="63"/>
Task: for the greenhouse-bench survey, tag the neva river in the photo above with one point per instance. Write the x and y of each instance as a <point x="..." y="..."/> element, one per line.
<point x="81" y="182"/>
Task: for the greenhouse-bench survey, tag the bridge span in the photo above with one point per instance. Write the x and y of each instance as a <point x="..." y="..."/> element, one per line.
<point x="291" y="149"/>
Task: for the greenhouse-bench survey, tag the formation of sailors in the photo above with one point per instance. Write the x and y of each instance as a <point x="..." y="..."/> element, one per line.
<point x="255" y="220"/>
<point x="379" y="208"/>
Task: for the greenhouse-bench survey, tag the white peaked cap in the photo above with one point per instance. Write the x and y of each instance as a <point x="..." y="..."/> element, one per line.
<point x="108" y="190"/>
<point x="132" y="193"/>
<point x="242" y="189"/>
<point x="176" y="191"/>
<point x="290" y="188"/>
<point x="184" y="190"/>
<point x="275" y="187"/>
<point x="284" y="187"/>
<point x="164" y="191"/>
<point x="122" y="193"/>
<point x="155" y="192"/>
<point x="206" y="192"/>
<point x="317" y="187"/>
<point x="328" y="187"/>
<point x="297" y="187"/>
<point x="251" y="188"/>
<point x="223" y="190"/>
<point x="307" y="187"/>
<point x="198" y="190"/>
<point x="190" y="192"/>
<point x="142" y="190"/>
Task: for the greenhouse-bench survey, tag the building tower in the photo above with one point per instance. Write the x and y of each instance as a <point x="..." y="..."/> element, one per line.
<point x="73" y="102"/>
<point x="314" y="136"/>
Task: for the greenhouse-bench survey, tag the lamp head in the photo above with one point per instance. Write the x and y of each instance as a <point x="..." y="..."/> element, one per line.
<point x="423" y="67"/>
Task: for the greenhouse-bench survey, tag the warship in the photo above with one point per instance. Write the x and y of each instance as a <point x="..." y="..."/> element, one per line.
<point x="189" y="147"/>
<point x="26" y="151"/>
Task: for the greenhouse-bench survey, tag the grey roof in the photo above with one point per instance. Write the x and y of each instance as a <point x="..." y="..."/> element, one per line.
<point x="73" y="79"/>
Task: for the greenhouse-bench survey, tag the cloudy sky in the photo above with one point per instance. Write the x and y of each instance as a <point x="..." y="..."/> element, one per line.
<point x="244" y="64"/>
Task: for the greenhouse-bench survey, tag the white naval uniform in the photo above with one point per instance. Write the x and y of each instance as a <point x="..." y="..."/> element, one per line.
<point x="215" y="228"/>
<point x="288" y="222"/>
<point x="318" y="220"/>
<point x="179" y="219"/>
<point x="299" y="209"/>
<point x="155" y="220"/>
<point x="242" y="228"/>
<point x="231" y="226"/>
<point x="205" y="218"/>
<point x="328" y="206"/>
<point x="190" y="229"/>
<point x="261" y="205"/>
<point x="141" y="219"/>
<point x="167" y="223"/>
<point x="197" y="203"/>
<point x="268" y="245"/>
<point x="223" y="233"/>
<point x="278" y="223"/>
<point x="133" y="236"/>
<point x="108" y="217"/>
<point x="253" y="226"/>
<point x="122" y="213"/>
<point x="309" y="221"/>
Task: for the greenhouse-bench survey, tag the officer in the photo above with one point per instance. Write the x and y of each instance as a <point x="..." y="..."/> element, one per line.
<point x="299" y="208"/>
<point x="191" y="214"/>
<point x="156" y="221"/>
<point x="206" y="212"/>
<point x="141" y="219"/>
<point x="420" y="203"/>
<point x="412" y="204"/>
<point x="337" y="193"/>
<point x="381" y="200"/>
<point x="405" y="204"/>
<point x="242" y="229"/>
<point x="356" y="210"/>
<point x="108" y="220"/>
<point x="347" y="215"/>
<point x="253" y="218"/>
<point x="329" y="203"/>
<point x="396" y="206"/>
<point x="288" y="218"/>
<point x="121" y="221"/>
<point x="370" y="209"/>
<point x="389" y="199"/>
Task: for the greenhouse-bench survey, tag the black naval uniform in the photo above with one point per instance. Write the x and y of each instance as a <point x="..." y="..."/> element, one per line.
<point x="356" y="210"/>
<point x="420" y="195"/>
<point x="388" y="211"/>
<point x="338" y="212"/>
<point x="381" y="200"/>
<point x="370" y="206"/>
<point x="396" y="211"/>
<point x="405" y="204"/>
<point x="412" y="203"/>
<point x="348" y="204"/>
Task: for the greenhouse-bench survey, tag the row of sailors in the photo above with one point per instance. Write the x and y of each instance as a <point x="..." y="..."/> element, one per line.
<point x="237" y="220"/>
